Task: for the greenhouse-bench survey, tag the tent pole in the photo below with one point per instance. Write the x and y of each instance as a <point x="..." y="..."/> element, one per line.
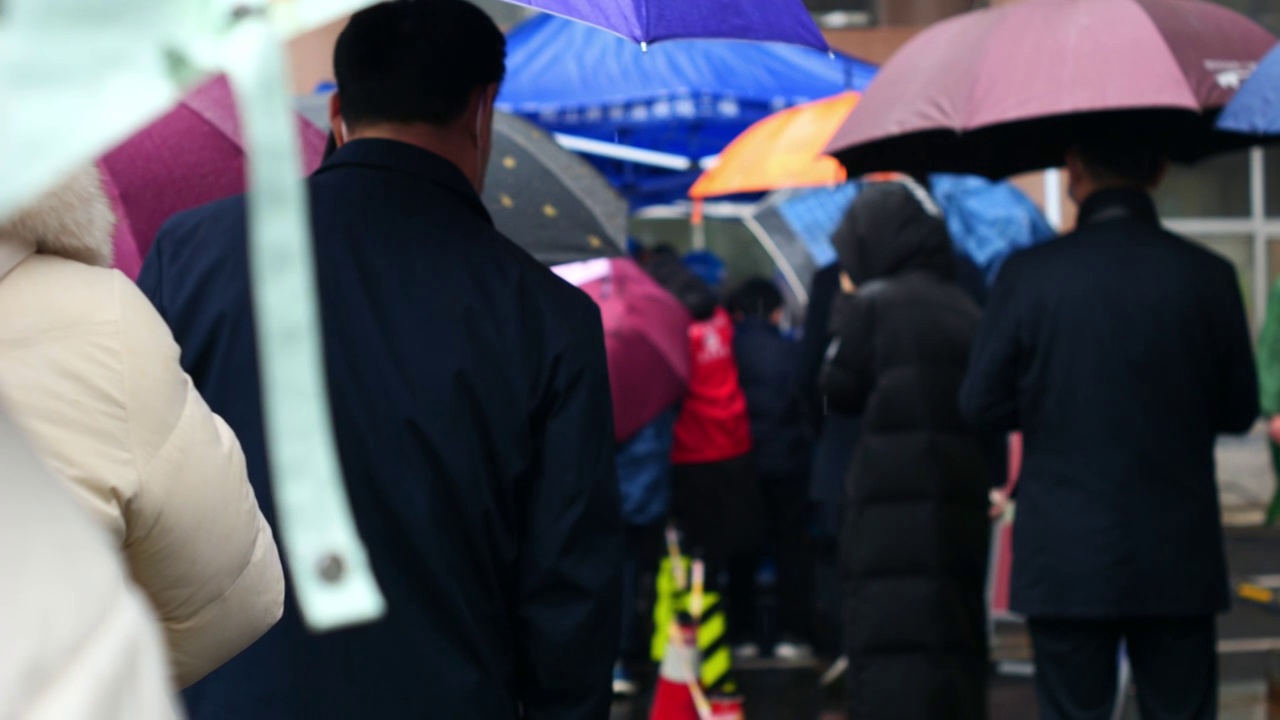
<point x="697" y="229"/>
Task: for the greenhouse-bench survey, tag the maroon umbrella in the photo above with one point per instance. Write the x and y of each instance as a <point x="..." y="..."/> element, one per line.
<point x="188" y="157"/>
<point x="646" y="337"/>
<point x="1009" y="89"/>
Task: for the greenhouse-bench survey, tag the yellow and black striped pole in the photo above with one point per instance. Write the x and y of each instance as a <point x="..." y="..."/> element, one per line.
<point x="673" y="598"/>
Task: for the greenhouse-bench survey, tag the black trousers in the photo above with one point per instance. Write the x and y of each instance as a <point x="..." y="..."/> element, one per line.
<point x="788" y="536"/>
<point x="1174" y="661"/>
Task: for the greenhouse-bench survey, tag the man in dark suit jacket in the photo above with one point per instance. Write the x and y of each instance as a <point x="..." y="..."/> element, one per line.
<point x="1120" y="351"/>
<point x="470" y="400"/>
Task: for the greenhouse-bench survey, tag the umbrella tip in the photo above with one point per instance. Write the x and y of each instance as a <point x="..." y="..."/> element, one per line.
<point x="644" y="46"/>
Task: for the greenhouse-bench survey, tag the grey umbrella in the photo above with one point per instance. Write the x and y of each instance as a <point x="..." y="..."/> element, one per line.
<point x="550" y="201"/>
<point x="547" y="200"/>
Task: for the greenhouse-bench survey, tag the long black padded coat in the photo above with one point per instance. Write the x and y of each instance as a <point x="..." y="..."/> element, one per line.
<point x="915" y="537"/>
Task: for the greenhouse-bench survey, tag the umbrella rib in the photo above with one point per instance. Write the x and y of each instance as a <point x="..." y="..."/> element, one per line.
<point x="556" y="171"/>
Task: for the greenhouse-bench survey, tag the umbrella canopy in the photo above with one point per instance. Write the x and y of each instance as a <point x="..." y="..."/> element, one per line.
<point x="549" y="201"/>
<point x="191" y="156"/>
<point x="645" y="335"/>
<point x="649" y="21"/>
<point x="1256" y="108"/>
<point x="685" y="98"/>
<point x="988" y="221"/>
<point x="1009" y="89"/>
<point x="785" y="150"/>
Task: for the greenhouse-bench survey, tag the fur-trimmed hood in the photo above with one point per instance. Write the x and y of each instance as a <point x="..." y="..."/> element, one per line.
<point x="73" y="220"/>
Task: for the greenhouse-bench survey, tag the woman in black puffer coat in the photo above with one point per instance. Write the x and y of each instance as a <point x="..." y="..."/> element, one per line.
<point x="915" y="536"/>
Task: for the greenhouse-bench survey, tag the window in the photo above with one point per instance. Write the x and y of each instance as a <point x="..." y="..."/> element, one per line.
<point x="1217" y="187"/>
<point x="1238" y="250"/>
<point x="1272" y="175"/>
<point x="1213" y="203"/>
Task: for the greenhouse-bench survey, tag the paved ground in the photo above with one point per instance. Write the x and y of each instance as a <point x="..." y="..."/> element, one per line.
<point x="1246" y="635"/>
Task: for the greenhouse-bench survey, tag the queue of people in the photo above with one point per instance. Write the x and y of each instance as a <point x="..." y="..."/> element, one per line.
<point x="509" y="530"/>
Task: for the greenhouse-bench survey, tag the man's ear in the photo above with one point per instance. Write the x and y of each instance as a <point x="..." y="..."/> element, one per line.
<point x="482" y="105"/>
<point x="335" y="120"/>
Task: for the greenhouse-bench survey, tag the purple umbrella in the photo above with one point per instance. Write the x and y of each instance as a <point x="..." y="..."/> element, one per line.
<point x="1008" y="89"/>
<point x="647" y="21"/>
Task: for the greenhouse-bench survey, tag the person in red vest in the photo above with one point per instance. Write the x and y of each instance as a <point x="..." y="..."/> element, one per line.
<point x="716" y="498"/>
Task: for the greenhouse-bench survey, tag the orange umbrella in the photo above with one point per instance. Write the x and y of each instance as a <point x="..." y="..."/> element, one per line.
<point x="784" y="150"/>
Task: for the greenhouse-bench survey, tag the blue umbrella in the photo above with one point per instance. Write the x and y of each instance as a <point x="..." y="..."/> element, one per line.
<point x="687" y="98"/>
<point x="1256" y="108"/>
<point x="988" y="220"/>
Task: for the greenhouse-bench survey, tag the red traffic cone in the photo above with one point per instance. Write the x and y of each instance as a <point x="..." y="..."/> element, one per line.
<point x="729" y="708"/>
<point x="678" y="695"/>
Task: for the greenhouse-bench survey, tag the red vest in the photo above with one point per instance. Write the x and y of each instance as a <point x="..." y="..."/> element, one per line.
<point x="713" y="424"/>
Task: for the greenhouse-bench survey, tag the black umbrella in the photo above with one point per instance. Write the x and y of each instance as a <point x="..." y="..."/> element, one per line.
<point x="549" y="201"/>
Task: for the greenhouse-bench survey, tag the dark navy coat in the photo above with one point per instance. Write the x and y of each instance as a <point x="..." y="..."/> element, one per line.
<point x="1120" y="351"/>
<point x="769" y="372"/>
<point x="471" y="406"/>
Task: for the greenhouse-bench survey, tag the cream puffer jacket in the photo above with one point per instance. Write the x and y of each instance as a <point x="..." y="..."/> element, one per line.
<point x="80" y="642"/>
<point x="90" y="373"/>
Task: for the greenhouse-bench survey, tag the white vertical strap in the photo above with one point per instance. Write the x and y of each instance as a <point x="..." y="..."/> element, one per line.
<point x="1053" y="198"/>
<point x="328" y="565"/>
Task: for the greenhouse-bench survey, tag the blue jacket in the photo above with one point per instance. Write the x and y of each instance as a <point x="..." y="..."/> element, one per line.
<point x="471" y="408"/>
<point x="769" y="372"/>
<point x="644" y="471"/>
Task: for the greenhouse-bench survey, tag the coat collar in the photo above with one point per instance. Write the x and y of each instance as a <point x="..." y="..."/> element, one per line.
<point x="1118" y="204"/>
<point x="410" y="159"/>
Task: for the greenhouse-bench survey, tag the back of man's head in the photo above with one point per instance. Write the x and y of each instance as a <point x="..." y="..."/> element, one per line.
<point x="1121" y="160"/>
<point x="416" y="62"/>
<point x="756" y="297"/>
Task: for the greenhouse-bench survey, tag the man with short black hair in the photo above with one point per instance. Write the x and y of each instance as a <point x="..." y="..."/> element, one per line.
<point x="470" y="401"/>
<point x="1120" y="351"/>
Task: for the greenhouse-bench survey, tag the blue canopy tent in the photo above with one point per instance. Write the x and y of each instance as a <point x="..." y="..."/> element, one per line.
<point x="647" y="119"/>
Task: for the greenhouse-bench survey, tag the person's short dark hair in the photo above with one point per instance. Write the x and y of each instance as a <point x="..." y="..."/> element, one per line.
<point x="755" y="297"/>
<point x="1122" y="158"/>
<point x="416" y="61"/>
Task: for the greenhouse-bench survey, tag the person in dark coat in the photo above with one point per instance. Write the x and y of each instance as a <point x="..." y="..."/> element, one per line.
<point x="768" y="370"/>
<point x="1120" y="351"/>
<point x="835" y="436"/>
<point x="470" y="400"/>
<point x="915" y="537"/>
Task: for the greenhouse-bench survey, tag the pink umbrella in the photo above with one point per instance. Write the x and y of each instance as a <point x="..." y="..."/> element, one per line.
<point x="645" y="336"/>
<point x="185" y="159"/>
<point x="1008" y="89"/>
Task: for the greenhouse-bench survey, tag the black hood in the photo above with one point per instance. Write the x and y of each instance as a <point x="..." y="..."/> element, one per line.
<point x="889" y="230"/>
